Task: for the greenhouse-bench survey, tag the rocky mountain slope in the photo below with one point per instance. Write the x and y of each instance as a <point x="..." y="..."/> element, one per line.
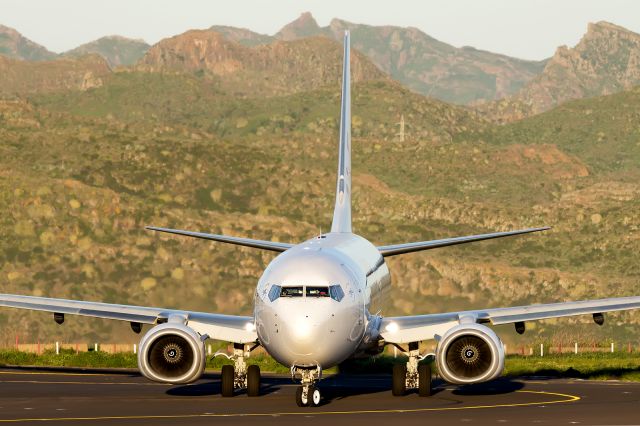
<point x="15" y="45"/>
<point x="24" y="77"/>
<point x="264" y="70"/>
<point x="117" y="50"/>
<point x="243" y="36"/>
<point x="420" y="62"/>
<point x="605" y="61"/>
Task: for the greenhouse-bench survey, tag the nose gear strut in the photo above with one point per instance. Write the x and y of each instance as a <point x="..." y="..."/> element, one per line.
<point x="308" y="394"/>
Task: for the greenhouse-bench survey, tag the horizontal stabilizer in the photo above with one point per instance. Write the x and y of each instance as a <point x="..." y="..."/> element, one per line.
<point x="247" y="242"/>
<point x="395" y="249"/>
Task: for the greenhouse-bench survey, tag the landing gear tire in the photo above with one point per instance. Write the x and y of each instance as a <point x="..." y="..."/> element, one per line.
<point x="399" y="380"/>
<point x="253" y="380"/>
<point x="314" y="396"/>
<point x="424" y="380"/>
<point x="226" y="379"/>
<point x="302" y="400"/>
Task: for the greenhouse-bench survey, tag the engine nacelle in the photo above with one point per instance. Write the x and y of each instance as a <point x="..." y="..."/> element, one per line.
<point x="172" y="353"/>
<point x="470" y="353"/>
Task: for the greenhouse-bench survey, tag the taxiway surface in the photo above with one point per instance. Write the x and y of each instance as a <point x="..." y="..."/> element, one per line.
<point x="72" y="397"/>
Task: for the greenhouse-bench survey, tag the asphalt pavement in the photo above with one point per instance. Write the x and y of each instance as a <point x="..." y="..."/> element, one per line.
<point x="31" y="396"/>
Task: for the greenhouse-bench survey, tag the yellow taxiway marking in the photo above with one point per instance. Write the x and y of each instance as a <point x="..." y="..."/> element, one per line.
<point x="565" y="398"/>
<point x="65" y="382"/>
<point x="52" y="373"/>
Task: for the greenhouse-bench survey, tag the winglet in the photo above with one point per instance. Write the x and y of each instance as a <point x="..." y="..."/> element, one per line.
<point x="342" y="210"/>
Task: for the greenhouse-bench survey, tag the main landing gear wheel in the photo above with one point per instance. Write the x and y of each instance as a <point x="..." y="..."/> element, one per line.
<point x="226" y="379"/>
<point x="253" y="380"/>
<point x="424" y="380"/>
<point x="399" y="380"/>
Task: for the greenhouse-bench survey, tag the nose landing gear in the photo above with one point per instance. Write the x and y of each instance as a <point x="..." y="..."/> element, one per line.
<point x="308" y="394"/>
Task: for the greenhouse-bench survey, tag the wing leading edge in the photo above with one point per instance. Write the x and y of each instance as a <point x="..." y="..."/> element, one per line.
<point x="395" y="249"/>
<point x="416" y="328"/>
<point x="230" y="328"/>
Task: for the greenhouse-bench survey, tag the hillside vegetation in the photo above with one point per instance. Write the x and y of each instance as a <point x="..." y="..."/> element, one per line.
<point x="83" y="170"/>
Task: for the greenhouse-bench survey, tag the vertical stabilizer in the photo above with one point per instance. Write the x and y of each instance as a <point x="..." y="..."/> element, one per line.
<point x="342" y="211"/>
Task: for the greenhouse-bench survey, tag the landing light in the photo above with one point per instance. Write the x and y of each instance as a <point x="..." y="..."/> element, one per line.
<point x="392" y="327"/>
<point x="302" y="329"/>
<point x="250" y="326"/>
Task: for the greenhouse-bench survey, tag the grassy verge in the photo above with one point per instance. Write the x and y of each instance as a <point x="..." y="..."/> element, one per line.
<point x="99" y="359"/>
<point x="600" y="366"/>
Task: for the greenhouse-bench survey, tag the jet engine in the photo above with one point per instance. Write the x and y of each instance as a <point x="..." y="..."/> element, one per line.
<point x="470" y="353"/>
<point x="172" y="353"/>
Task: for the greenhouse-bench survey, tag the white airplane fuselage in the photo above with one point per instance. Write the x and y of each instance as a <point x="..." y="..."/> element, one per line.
<point x="320" y="330"/>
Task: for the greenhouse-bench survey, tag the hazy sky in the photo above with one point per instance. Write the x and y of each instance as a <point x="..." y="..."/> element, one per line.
<point x="530" y="29"/>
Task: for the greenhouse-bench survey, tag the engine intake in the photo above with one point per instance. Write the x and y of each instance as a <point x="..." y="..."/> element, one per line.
<point x="470" y="353"/>
<point x="172" y="353"/>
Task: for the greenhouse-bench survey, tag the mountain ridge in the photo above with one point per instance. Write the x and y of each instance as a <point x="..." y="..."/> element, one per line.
<point x="472" y="74"/>
<point x="116" y="49"/>
<point x="14" y="45"/>
<point x="277" y="68"/>
<point x="499" y="86"/>
<point x="606" y="60"/>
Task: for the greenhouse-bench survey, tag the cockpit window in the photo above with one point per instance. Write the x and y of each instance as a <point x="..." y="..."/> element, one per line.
<point x="292" y="292"/>
<point x="336" y="293"/>
<point x="274" y="292"/>
<point x="317" y="292"/>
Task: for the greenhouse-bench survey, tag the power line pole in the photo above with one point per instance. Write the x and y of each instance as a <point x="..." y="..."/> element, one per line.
<point x="401" y="134"/>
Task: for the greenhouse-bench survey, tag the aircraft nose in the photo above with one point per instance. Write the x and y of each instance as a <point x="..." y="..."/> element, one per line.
<point x="305" y="330"/>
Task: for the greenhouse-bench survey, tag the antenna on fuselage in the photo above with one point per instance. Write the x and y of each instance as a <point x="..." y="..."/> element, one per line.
<point x="342" y="210"/>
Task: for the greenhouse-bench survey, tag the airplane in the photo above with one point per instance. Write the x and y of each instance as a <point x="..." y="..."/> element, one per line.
<point x="315" y="306"/>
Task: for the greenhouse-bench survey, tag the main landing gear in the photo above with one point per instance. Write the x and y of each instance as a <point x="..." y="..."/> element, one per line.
<point x="238" y="375"/>
<point x="308" y="394"/>
<point x="412" y="375"/>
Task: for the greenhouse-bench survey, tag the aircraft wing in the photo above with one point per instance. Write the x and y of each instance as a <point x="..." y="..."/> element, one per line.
<point x="230" y="328"/>
<point x="247" y="242"/>
<point x="395" y="249"/>
<point x="416" y="328"/>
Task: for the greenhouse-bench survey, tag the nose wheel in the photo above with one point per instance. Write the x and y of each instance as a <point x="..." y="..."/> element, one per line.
<point x="308" y="396"/>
